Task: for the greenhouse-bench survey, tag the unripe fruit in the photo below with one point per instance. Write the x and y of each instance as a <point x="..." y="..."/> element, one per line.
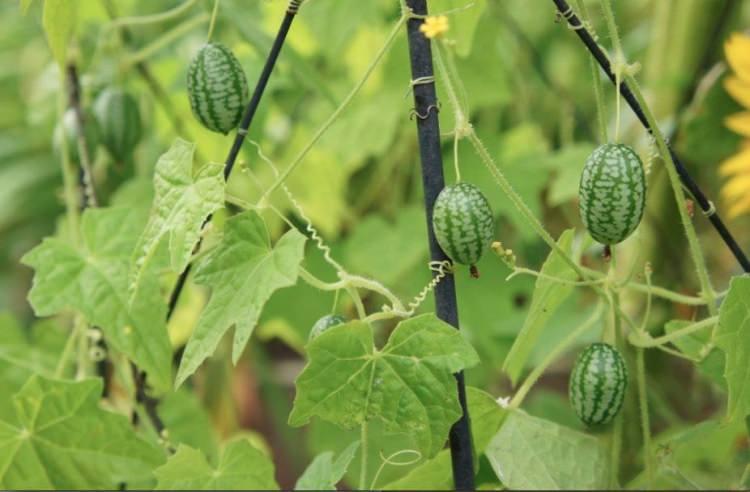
<point x="217" y="88"/>
<point x="463" y="222"/>
<point x="612" y="193"/>
<point x="119" y="122"/>
<point x="68" y="129"/>
<point x="597" y="384"/>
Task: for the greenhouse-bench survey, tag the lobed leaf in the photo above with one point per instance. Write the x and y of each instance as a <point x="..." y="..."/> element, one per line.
<point x="733" y="337"/>
<point x="324" y="473"/>
<point x="183" y="199"/>
<point x="529" y="453"/>
<point x="409" y="384"/>
<point x="243" y="271"/>
<point x="92" y="279"/>
<point x="61" y="439"/>
<point x="241" y="467"/>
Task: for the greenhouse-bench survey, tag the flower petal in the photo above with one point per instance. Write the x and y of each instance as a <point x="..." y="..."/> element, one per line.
<point x="738" y="163"/>
<point x="739" y="123"/>
<point x="739" y="90"/>
<point x="737" y="51"/>
<point x="736" y="187"/>
<point x="739" y="207"/>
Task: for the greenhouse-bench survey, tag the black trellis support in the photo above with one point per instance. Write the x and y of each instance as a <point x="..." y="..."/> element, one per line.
<point x="247" y="119"/>
<point x="705" y="204"/>
<point x="426" y="107"/>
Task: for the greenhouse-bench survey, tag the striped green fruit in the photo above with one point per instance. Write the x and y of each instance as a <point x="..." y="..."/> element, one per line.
<point x="612" y="193"/>
<point x="217" y="88"/>
<point x="68" y="129"/>
<point x="324" y="323"/>
<point x="119" y="121"/>
<point x="463" y="222"/>
<point x="597" y="384"/>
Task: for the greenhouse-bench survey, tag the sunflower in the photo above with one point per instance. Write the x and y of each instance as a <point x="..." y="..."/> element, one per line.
<point x="736" y="190"/>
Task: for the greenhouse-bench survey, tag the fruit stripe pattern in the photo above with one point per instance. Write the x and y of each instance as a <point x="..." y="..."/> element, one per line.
<point x="463" y="222"/>
<point x="324" y="323"/>
<point x="612" y="193"/>
<point x="119" y="122"/>
<point x="598" y="383"/>
<point x="217" y="88"/>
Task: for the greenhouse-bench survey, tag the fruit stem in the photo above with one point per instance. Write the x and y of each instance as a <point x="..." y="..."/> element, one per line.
<point x="214" y="12"/>
<point x="619" y="60"/>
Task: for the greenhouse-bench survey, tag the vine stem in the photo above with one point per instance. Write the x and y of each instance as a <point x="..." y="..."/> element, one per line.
<point x="561" y="347"/>
<point x="624" y="89"/>
<point x="69" y="175"/>
<point x="619" y="344"/>
<point x="645" y="421"/>
<point x="699" y="261"/>
<point x="155" y="18"/>
<point x="165" y="39"/>
<point x="428" y="130"/>
<point x="644" y="340"/>
<point x="619" y="64"/>
<point x="363" y="466"/>
<point x="597" y="82"/>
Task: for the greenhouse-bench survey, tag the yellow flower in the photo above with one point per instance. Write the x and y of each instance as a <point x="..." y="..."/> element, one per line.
<point x="736" y="190"/>
<point x="434" y="26"/>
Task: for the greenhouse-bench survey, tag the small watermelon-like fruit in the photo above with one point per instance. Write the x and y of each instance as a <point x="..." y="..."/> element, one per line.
<point x="324" y="323"/>
<point x="119" y="122"/>
<point x="463" y="222"/>
<point x="612" y="193"/>
<point x="68" y="129"/>
<point x="217" y="88"/>
<point x="597" y="384"/>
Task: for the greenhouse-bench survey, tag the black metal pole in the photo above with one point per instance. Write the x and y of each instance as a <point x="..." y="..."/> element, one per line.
<point x="705" y="204"/>
<point x="247" y="119"/>
<point x="428" y="128"/>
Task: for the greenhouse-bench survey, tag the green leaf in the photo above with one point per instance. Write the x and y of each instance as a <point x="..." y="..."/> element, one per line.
<point x="183" y="199"/>
<point x="243" y="271"/>
<point x="373" y="235"/>
<point x="93" y="280"/>
<point x="324" y="473"/>
<point x="409" y="384"/>
<point x="435" y="474"/>
<point x="241" y="467"/>
<point x="531" y="453"/>
<point x="61" y="439"/>
<point x="733" y="337"/>
<point x="58" y="20"/>
<point x="547" y="297"/>
<point x="25" y="352"/>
